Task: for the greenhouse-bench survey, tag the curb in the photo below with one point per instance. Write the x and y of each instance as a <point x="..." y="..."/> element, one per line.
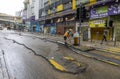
<point x="88" y="56"/>
<point x="85" y="50"/>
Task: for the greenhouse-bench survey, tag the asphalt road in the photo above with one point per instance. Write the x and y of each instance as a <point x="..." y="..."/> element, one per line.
<point x="22" y="63"/>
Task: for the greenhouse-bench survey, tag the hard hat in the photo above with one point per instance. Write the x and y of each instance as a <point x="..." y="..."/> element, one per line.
<point x="70" y="29"/>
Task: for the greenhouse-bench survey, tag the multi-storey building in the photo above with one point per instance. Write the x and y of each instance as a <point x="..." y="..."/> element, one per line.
<point x="104" y="16"/>
<point x="27" y="13"/>
<point x="42" y="14"/>
<point x="61" y="14"/>
<point x="31" y="10"/>
<point x="56" y="16"/>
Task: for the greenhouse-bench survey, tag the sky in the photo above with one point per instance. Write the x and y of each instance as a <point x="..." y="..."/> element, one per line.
<point x="11" y="6"/>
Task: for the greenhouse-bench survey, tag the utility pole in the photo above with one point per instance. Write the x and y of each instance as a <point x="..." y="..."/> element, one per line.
<point x="115" y="28"/>
<point x="80" y="23"/>
<point x="82" y="16"/>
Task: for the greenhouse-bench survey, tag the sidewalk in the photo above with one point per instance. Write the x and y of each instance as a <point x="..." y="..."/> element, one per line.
<point x="106" y="53"/>
<point x="109" y="47"/>
<point x="96" y="44"/>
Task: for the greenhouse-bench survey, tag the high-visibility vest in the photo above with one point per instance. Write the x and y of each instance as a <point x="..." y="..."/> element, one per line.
<point x="66" y="34"/>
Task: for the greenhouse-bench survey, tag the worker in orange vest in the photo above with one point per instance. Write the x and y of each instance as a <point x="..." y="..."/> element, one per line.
<point x="66" y="35"/>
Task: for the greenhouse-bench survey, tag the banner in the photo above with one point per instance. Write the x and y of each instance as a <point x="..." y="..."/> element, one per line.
<point x="114" y="9"/>
<point x="104" y="11"/>
<point x="99" y="12"/>
<point x="97" y="23"/>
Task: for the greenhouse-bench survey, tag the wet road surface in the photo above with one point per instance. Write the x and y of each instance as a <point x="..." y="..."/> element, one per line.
<point x="23" y="64"/>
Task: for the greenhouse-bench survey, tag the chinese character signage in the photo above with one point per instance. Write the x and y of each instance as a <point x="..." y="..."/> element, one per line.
<point x="99" y="12"/>
<point x="104" y="11"/>
<point x="97" y="23"/>
<point x="114" y="9"/>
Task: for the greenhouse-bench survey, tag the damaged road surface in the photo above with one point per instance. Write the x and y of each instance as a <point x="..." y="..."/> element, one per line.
<point x="69" y="64"/>
<point x="35" y="58"/>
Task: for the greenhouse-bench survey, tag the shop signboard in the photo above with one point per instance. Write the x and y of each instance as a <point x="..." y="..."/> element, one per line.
<point x="114" y="9"/>
<point x="99" y="12"/>
<point x="85" y="24"/>
<point x="97" y="23"/>
<point x="104" y="11"/>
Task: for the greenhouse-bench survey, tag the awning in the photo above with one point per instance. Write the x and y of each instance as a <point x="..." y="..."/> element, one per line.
<point x="63" y="13"/>
<point x="60" y="14"/>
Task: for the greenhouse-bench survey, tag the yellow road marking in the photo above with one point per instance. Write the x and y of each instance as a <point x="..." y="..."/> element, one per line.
<point x="115" y="56"/>
<point x="108" y="55"/>
<point x="113" y="49"/>
<point x="69" y="58"/>
<point x="56" y="65"/>
<point x="77" y="63"/>
<point x="108" y="50"/>
<point x="112" y="63"/>
<point x="87" y="55"/>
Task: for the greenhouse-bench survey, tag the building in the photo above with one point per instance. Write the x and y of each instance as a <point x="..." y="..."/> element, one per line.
<point x="104" y="15"/>
<point x="57" y="16"/>
<point x="6" y="20"/>
<point x="26" y="13"/>
<point x="61" y="15"/>
<point x="29" y="12"/>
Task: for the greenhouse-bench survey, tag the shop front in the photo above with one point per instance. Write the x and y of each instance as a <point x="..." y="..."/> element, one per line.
<point x="69" y="22"/>
<point x="64" y="26"/>
<point x="32" y="24"/>
<point x="64" y="20"/>
<point x="105" y="17"/>
<point x="52" y="29"/>
<point x="97" y="27"/>
<point x="114" y="14"/>
<point x="85" y="31"/>
<point x="46" y="28"/>
<point x="60" y="28"/>
<point x="42" y="23"/>
<point x="116" y="27"/>
<point x="59" y="25"/>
